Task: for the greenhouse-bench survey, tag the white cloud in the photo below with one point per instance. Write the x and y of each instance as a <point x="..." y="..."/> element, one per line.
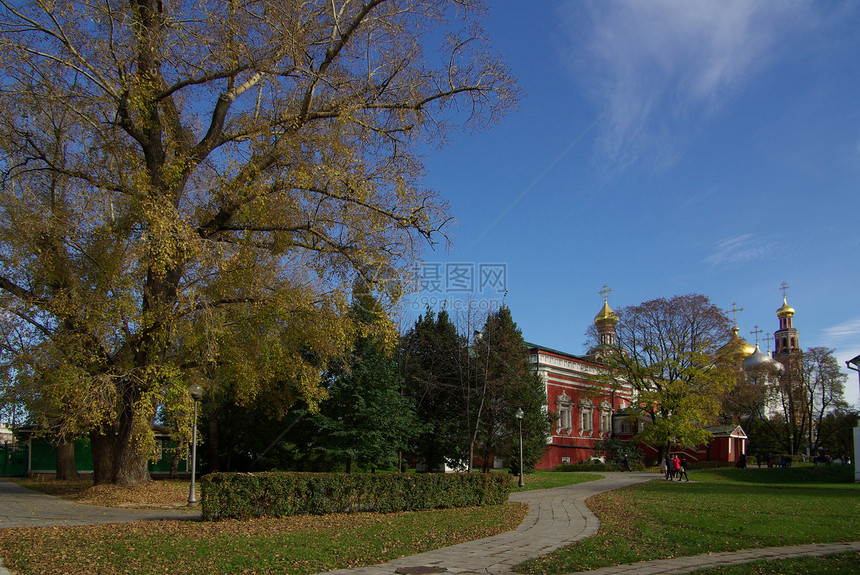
<point x="843" y="331"/>
<point x="660" y="66"/>
<point x="845" y="339"/>
<point x="742" y="248"/>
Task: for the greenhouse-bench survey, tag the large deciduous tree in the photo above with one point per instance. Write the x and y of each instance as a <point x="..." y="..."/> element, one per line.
<point x="667" y="353"/>
<point x="190" y="188"/>
<point x="818" y="390"/>
<point x="824" y="392"/>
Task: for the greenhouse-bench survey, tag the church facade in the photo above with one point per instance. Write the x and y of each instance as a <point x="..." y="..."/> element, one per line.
<point x="586" y="401"/>
<point x="584" y="405"/>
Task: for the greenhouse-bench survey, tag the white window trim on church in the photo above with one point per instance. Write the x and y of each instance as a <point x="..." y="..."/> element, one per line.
<point x="564" y="409"/>
<point x="586" y="423"/>
<point x="605" y="417"/>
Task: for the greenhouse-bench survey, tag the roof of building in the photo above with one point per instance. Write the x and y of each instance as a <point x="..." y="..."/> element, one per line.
<point x="736" y="350"/>
<point x="786" y="310"/>
<point x="531" y="346"/>
<point x="606" y="316"/>
<point x="727" y="431"/>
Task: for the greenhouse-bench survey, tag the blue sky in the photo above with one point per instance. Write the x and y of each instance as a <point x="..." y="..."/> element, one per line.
<point x="661" y="148"/>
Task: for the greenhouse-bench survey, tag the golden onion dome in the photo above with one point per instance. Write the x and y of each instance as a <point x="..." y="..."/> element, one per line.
<point x="762" y="364"/>
<point x="736" y="349"/>
<point x="786" y="310"/>
<point x="606" y="316"/>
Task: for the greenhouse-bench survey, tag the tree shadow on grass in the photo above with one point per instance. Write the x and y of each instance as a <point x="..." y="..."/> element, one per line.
<point x="824" y="474"/>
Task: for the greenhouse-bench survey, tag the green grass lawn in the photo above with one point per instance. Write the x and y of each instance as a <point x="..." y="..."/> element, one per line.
<point x="719" y="510"/>
<point x="293" y="545"/>
<point x="837" y="564"/>
<point x="549" y="479"/>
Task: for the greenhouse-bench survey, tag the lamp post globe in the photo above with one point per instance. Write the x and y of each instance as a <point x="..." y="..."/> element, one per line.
<point x="196" y="393"/>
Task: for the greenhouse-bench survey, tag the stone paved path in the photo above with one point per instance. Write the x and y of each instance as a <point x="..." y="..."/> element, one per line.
<point x="556" y="517"/>
<point x="21" y="507"/>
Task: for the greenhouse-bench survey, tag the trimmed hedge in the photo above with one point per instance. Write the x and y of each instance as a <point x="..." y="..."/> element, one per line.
<point x="246" y="495"/>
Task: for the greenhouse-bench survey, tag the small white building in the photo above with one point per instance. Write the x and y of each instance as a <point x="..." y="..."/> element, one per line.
<point x="6" y="435"/>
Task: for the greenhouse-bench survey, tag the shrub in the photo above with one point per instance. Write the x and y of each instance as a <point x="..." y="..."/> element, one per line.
<point x="245" y="495"/>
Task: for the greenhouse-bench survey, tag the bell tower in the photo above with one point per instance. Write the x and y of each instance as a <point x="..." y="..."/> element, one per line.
<point x="605" y="320"/>
<point x="785" y="340"/>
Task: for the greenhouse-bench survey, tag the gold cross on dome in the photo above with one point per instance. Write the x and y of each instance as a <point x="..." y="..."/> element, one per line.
<point x="784" y="288"/>
<point x="605" y="292"/>
<point x="734" y="311"/>
<point x="755" y="332"/>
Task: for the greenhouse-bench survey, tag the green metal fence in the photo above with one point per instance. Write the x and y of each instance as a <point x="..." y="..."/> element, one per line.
<point x="14" y="460"/>
<point x="17" y="461"/>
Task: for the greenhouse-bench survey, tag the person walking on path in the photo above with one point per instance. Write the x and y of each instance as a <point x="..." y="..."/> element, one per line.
<point x="625" y="463"/>
<point x="670" y="471"/>
<point x="676" y="467"/>
<point x="683" y="470"/>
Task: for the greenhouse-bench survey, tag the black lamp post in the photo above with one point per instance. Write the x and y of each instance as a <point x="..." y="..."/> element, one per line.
<point x="854" y="364"/>
<point x="519" y="415"/>
<point x="196" y="393"/>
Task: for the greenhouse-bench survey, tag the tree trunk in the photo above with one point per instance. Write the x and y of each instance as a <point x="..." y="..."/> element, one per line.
<point x="103" y="452"/>
<point x="176" y="458"/>
<point x="132" y="467"/>
<point x="117" y="456"/>
<point x="66" y="468"/>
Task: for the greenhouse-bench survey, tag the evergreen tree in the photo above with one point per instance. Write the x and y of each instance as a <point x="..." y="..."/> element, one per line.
<point x="510" y="384"/>
<point x="366" y="419"/>
<point x="434" y="363"/>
